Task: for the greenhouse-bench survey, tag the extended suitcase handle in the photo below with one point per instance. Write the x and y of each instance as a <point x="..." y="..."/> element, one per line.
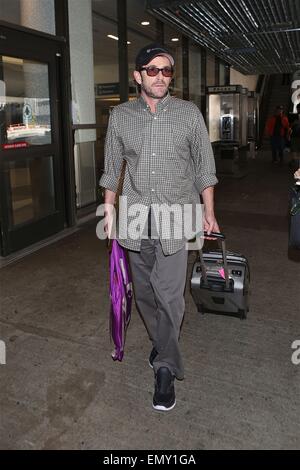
<point x="218" y="235"/>
<point x="221" y="237"/>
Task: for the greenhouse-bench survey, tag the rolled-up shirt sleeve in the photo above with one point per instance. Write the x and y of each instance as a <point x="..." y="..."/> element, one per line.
<point x="113" y="156"/>
<point x="203" y="156"/>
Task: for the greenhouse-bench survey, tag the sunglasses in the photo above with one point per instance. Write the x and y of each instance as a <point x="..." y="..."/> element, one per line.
<point x="152" y="71"/>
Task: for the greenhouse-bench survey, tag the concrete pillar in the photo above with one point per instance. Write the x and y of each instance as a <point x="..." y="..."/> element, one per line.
<point x="82" y="63"/>
<point x="38" y="14"/>
<point x="83" y="98"/>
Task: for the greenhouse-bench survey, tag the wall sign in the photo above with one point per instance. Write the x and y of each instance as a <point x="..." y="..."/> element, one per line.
<point x="16" y="145"/>
<point x="27" y="113"/>
<point x="225" y="89"/>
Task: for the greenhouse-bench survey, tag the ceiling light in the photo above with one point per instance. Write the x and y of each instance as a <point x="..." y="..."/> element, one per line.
<point x="116" y="38"/>
<point x="175" y="39"/>
<point x="284" y="24"/>
<point x="145" y="23"/>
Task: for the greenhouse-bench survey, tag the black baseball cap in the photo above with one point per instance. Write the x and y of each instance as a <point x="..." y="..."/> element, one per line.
<point x="147" y="53"/>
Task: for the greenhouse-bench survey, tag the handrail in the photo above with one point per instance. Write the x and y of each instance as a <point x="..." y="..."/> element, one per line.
<point x="76" y="127"/>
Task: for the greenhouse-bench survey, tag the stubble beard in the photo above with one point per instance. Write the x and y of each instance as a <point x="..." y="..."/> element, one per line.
<point x="149" y="92"/>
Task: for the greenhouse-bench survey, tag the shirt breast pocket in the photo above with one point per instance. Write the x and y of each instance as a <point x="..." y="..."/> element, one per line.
<point x="180" y="139"/>
<point x="133" y="141"/>
<point x="179" y="147"/>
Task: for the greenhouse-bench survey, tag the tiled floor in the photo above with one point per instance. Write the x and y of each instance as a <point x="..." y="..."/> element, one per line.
<point x="61" y="390"/>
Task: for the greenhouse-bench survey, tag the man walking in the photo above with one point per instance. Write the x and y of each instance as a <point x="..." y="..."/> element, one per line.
<point x="169" y="160"/>
<point x="277" y="128"/>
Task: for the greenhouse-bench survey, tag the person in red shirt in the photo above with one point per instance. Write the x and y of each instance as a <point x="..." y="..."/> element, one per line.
<point x="278" y="129"/>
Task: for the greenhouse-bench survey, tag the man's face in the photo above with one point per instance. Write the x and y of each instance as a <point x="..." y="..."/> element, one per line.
<point x="154" y="87"/>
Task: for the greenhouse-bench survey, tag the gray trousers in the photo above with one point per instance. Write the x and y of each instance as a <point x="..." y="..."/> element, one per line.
<point x="159" y="283"/>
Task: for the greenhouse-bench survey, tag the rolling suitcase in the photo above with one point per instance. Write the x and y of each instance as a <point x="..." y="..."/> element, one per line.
<point x="294" y="226"/>
<point x="220" y="282"/>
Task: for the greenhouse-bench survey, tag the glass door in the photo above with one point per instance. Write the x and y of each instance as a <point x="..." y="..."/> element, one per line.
<point x="31" y="183"/>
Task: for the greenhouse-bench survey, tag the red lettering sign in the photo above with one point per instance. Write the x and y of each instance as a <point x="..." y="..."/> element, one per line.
<point x="16" y="145"/>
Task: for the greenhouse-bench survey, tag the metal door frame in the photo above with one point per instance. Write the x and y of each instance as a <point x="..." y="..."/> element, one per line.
<point x="54" y="52"/>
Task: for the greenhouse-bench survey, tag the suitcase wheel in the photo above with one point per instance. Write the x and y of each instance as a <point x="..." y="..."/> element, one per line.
<point x="200" y="308"/>
<point x="243" y="314"/>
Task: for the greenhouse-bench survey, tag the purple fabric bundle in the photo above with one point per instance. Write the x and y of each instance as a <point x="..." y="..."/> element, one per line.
<point x="121" y="298"/>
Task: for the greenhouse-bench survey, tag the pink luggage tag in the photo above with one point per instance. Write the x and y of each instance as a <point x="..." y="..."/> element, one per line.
<point x="222" y="273"/>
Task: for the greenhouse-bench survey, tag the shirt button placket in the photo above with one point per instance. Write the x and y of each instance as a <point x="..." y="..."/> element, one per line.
<point x="153" y="154"/>
<point x="152" y="173"/>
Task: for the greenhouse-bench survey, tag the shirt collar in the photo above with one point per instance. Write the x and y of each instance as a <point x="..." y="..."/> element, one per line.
<point x="163" y="103"/>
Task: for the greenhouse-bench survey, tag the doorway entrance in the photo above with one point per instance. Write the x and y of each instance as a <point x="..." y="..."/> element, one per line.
<point x="31" y="166"/>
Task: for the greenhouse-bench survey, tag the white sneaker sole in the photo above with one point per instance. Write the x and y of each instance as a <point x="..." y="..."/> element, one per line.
<point x="163" y="408"/>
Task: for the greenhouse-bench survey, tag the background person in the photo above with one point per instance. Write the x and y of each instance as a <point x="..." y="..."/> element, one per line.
<point x="277" y="129"/>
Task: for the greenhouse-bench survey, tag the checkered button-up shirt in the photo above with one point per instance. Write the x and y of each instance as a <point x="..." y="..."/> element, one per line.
<point x="169" y="160"/>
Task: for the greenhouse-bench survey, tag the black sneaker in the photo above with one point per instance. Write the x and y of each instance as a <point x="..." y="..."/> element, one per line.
<point x="164" y="394"/>
<point x="152" y="356"/>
